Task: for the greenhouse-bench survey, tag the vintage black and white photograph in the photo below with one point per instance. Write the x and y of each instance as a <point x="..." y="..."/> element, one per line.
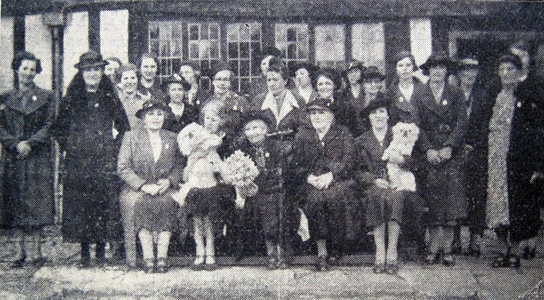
<point x="271" y="149"/>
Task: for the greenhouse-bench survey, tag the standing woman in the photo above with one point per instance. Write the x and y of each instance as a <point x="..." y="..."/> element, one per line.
<point x="112" y="69"/>
<point x="327" y="82"/>
<point x="88" y="115"/>
<point x="182" y="113"/>
<point x="323" y="161"/>
<point x="303" y="75"/>
<point x="510" y="133"/>
<point x="372" y="83"/>
<point x="150" y="165"/>
<point x="25" y="117"/>
<point x="196" y="96"/>
<point x="443" y="122"/>
<point x="130" y="97"/>
<point x="354" y="92"/>
<point x="149" y="81"/>
<point x="259" y="85"/>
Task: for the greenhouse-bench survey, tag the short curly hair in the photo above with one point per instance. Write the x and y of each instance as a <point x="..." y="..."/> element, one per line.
<point x="24" y="55"/>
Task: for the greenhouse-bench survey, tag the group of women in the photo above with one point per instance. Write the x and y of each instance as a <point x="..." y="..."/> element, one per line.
<point x="318" y="144"/>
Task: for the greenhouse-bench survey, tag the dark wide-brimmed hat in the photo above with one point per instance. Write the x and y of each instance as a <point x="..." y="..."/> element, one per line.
<point x="379" y="102"/>
<point x="331" y="74"/>
<point x="320" y="104"/>
<point x="256" y="115"/>
<point x="511" y="58"/>
<point x="373" y="72"/>
<point x="175" y="79"/>
<point x="354" y="64"/>
<point x="90" y="59"/>
<point x="151" y="104"/>
<point x="268" y="51"/>
<point x="311" y="68"/>
<point x="218" y="67"/>
<point x="468" y="63"/>
<point x="438" y="59"/>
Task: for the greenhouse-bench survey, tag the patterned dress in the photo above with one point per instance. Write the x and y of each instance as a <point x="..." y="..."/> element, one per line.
<point x="499" y="142"/>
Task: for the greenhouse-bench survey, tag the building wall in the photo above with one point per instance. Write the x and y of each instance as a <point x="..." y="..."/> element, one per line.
<point x="76" y="42"/>
<point x="6" y="49"/>
<point x="114" y="34"/>
<point x="38" y="41"/>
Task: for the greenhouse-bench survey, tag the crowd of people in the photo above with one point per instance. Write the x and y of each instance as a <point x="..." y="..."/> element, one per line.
<point x="340" y="156"/>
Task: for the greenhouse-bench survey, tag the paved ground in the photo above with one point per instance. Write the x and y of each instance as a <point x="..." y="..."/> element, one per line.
<point x="471" y="278"/>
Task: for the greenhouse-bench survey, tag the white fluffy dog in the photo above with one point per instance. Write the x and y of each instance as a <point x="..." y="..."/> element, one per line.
<point x="405" y="136"/>
<point x="203" y="162"/>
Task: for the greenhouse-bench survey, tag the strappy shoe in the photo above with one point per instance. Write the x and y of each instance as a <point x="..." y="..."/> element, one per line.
<point x="448" y="260"/>
<point x="162" y="265"/>
<point x="392" y="268"/>
<point x="198" y="264"/>
<point x="210" y="264"/>
<point x="378" y="268"/>
<point x="149" y="265"/>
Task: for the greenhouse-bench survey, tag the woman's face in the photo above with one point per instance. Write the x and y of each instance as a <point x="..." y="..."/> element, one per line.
<point x="405" y="68"/>
<point x="221" y="82"/>
<point x="276" y="83"/>
<point x="27" y="72"/>
<point x="111" y="69"/>
<point x="321" y="118"/>
<point x="378" y="118"/>
<point x="129" y="81"/>
<point x="372" y="85"/>
<point x="154" y="119"/>
<point x="354" y="76"/>
<point x="264" y="64"/>
<point x="92" y="75"/>
<point x="188" y="74"/>
<point x="148" y="68"/>
<point x="508" y="73"/>
<point x="212" y="122"/>
<point x="255" y="131"/>
<point x="468" y="77"/>
<point x="302" y="78"/>
<point x="438" y="73"/>
<point x="176" y="92"/>
<point x="325" y="87"/>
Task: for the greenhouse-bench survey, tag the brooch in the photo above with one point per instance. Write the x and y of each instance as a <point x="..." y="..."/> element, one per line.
<point x="96" y="105"/>
<point x="2" y="107"/>
<point x="518" y="104"/>
<point x="34" y="98"/>
<point x="197" y="102"/>
<point x="235" y="107"/>
<point x="166" y="146"/>
<point x="267" y="154"/>
<point x="444" y="102"/>
<point x="401" y="99"/>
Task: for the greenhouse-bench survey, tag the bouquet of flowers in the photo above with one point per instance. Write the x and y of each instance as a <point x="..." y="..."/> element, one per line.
<point x="240" y="171"/>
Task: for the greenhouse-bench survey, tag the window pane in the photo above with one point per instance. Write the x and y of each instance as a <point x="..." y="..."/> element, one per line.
<point x="244" y="68"/>
<point x="193" y="51"/>
<point x="193" y="32"/>
<point x="153" y="31"/>
<point x="214" y="32"/>
<point x="292" y="51"/>
<point x="233" y="50"/>
<point x="291" y="35"/>
<point x="154" y="47"/>
<point x="214" y="49"/>
<point x="204" y="32"/>
<point x="245" y="85"/>
<point x="244" y="50"/>
<point x="256" y="32"/>
<point x="232" y="32"/>
<point x="244" y="32"/>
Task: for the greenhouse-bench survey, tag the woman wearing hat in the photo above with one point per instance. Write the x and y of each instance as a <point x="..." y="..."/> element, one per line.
<point x="372" y="83"/>
<point x="222" y="81"/>
<point x="130" y="97"/>
<point x="323" y="160"/>
<point x="303" y="75"/>
<point x="327" y="82"/>
<point x="112" y="68"/>
<point x="149" y="82"/>
<point x="384" y="204"/>
<point x="26" y="114"/>
<point x="150" y="166"/>
<point x="176" y="90"/>
<point x="196" y="96"/>
<point x="443" y="121"/>
<point x="259" y="85"/>
<point x="88" y="115"/>
<point x="354" y="92"/>
<point x="504" y="144"/>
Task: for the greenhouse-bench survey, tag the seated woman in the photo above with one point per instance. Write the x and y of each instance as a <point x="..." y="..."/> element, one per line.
<point x="323" y="162"/>
<point x="176" y="89"/>
<point x="263" y="208"/>
<point x="150" y="165"/>
<point x="384" y="205"/>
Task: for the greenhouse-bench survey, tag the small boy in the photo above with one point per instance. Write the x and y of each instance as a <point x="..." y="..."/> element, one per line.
<point x="264" y="207"/>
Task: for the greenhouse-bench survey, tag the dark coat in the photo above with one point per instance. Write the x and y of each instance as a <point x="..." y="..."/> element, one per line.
<point x="199" y="98"/>
<point x="402" y="111"/>
<point x="28" y="182"/>
<point x="270" y="176"/>
<point x="84" y="130"/>
<point x="346" y="114"/>
<point x="295" y="118"/>
<point x="177" y="123"/>
<point x="523" y="157"/>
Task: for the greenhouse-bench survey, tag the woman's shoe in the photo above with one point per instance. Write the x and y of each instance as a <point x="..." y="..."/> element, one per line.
<point x="210" y="264"/>
<point x="474" y="250"/>
<point x="39" y="262"/>
<point x="282" y="264"/>
<point x="514" y="261"/>
<point x="149" y="265"/>
<point x="272" y="263"/>
<point x="18" y="264"/>
<point x="334" y="260"/>
<point x="431" y="258"/>
<point x="322" y="264"/>
<point x="500" y="261"/>
<point x="448" y="260"/>
<point x="378" y="268"/>
<point x="392" y="268"/>
<point x="529" y="253"/>
<point x="162" y="265"/>
<point x="84" y="263"/>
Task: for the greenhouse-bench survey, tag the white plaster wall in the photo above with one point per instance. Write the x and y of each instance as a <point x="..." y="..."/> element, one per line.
<point x="114" y="34"/>
<point x="368" y="44"/>
<point x="38" y="41"/>
<point x="421" y="40"/>
<point x="6" y="53"/>
<point x="76" y="42"/>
